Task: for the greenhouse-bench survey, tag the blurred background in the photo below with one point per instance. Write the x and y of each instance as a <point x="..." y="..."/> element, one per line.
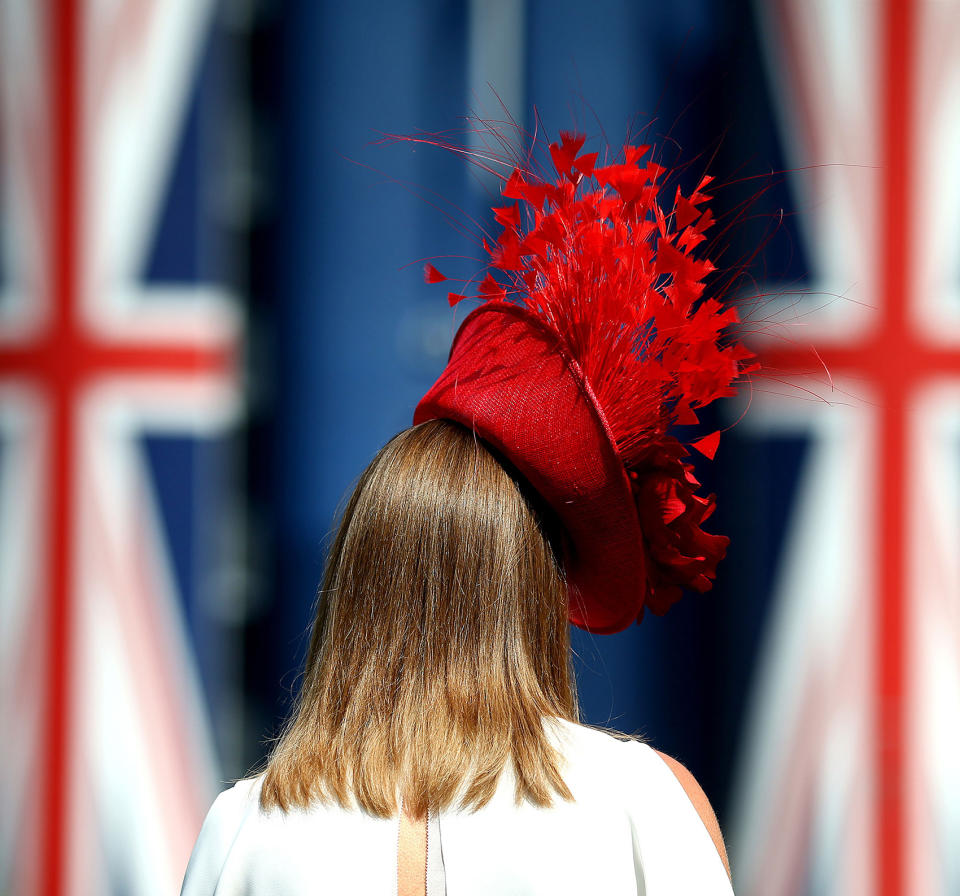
<point x="212" y="314"/>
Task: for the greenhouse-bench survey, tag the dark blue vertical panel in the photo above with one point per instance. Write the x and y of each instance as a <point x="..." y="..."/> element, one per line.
<point x="351" y="225"/>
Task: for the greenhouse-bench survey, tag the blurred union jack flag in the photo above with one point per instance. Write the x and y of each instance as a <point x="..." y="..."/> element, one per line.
<point x="850" y="779"/>
<point x="117" y="367"/>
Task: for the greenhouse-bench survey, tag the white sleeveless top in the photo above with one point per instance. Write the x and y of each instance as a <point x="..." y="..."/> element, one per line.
<point x="630" y="830"/>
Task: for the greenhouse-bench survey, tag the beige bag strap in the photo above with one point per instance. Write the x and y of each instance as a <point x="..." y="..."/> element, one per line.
<point x="420" y="869"/>
<point x="412" y="856"/>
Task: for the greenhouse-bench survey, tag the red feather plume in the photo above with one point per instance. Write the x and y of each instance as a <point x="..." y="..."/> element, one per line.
<point x="620" y="277"/>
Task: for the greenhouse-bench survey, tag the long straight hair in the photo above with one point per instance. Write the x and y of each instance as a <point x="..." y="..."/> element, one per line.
<point x="440" y="642"/>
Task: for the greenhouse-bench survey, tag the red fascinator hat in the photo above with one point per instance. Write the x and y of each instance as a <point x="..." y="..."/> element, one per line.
<point x="593" y="341"/>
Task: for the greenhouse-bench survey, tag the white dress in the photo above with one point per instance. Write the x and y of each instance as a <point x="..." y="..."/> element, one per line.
<point x="630" y="830"/>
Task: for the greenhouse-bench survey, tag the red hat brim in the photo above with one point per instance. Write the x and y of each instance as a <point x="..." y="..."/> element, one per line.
<point x="510" y="380"/>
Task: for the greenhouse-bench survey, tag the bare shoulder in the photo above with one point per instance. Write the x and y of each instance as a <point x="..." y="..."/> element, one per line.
<point x="700" y="803"/>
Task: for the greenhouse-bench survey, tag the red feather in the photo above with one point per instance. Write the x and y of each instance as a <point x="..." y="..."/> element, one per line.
<point x="707" y="446"/>
<point x="620" y="277"/>
<point x="432" y="275"/>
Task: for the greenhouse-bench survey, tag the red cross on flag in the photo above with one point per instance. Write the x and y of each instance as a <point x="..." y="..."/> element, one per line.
<point x="108" y="766"/>
<point x="850" y="783"/>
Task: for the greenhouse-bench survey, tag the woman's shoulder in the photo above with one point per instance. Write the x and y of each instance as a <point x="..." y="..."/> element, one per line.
<point x="700" y="802"/>
<point x="599" y="747"/>
<point x="602" y="765"/>
<point x="220" y="828"/>
<point x="235" y="802"/>
<point x="245" y="849"/>
<point x="654" y="786"/>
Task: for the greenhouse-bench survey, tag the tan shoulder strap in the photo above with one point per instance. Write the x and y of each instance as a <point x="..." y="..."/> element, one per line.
<point x="420" y="869"/>
<point x="412" y="856"/>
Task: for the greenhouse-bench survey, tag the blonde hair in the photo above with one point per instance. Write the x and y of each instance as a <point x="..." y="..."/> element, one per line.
<point x="440" y="642"/>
